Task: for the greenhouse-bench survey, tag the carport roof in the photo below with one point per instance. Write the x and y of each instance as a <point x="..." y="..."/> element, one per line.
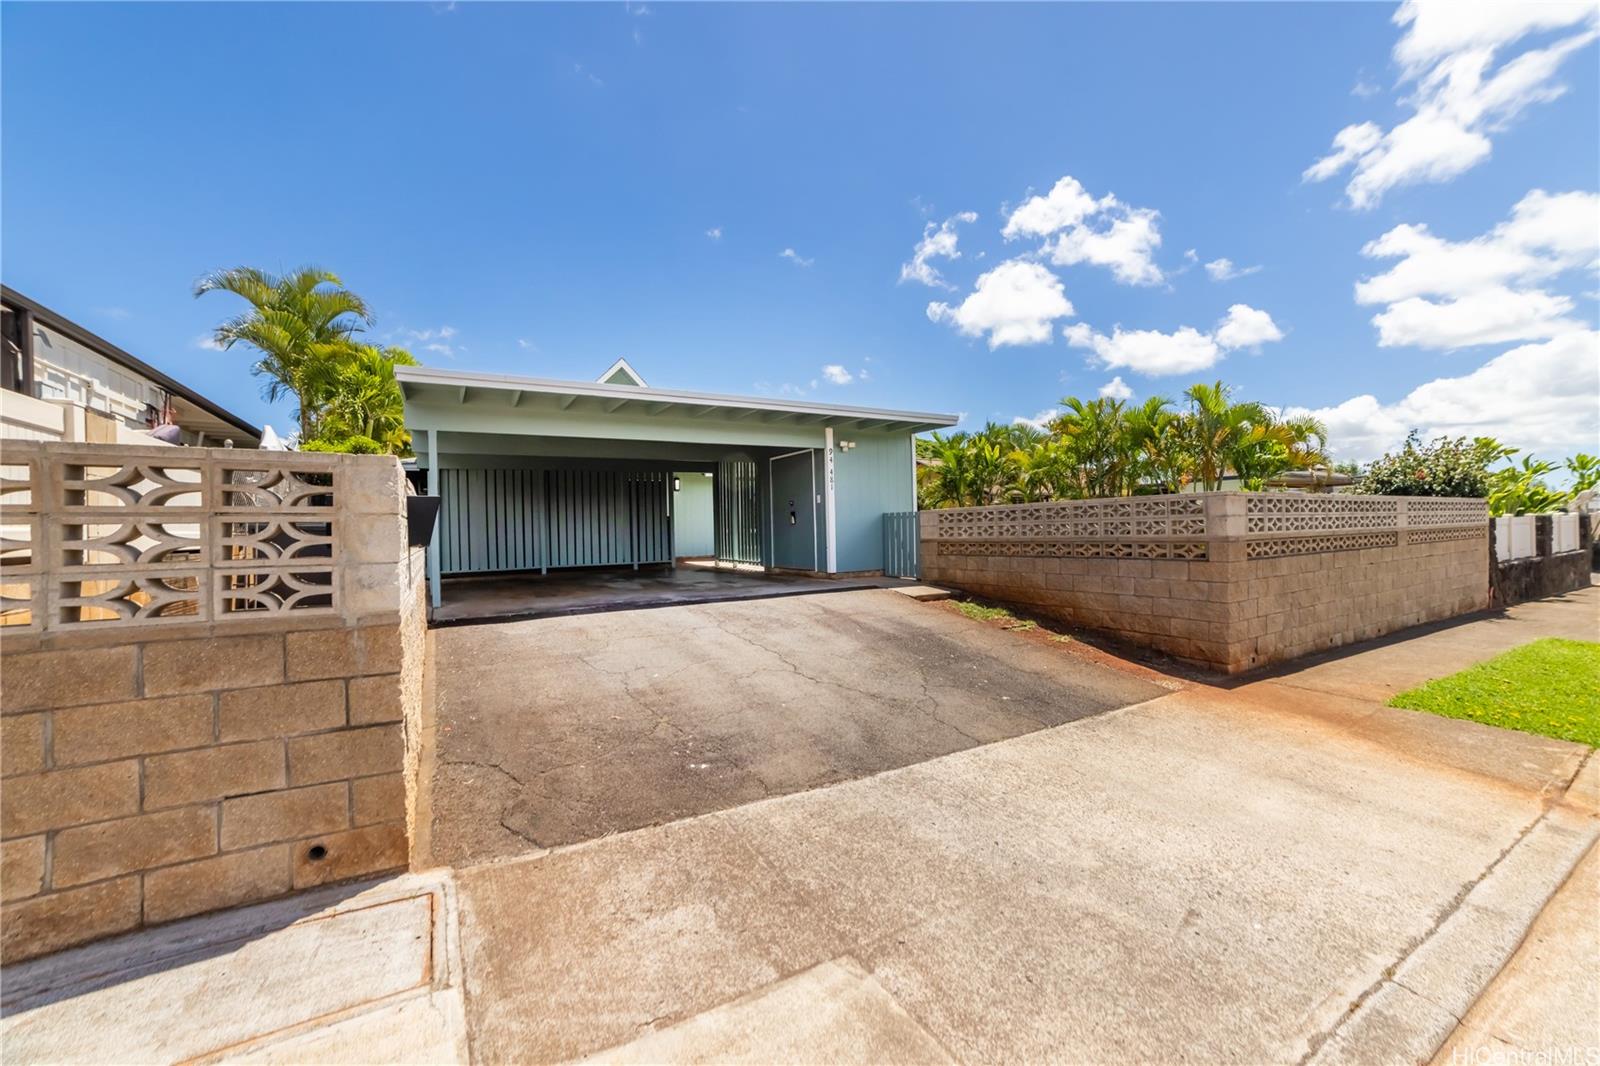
<point x="432" y="387"/>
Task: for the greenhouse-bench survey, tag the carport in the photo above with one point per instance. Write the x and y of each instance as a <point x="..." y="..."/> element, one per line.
<point x="538" y="476"/>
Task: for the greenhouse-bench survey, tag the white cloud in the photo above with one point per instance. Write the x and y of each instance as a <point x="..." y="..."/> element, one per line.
<point x="1460" y="96"/>
<point x="1246" y="327"/>
<point x="1491" y="316"/>
<point x="527" y="345"/>
<point x="1014" y="303"/>
<point x="1151" y="352"/>
<point x="837" y="374"/>
<point x="1040" y="421"/>
<point x="1067" y="204"/>
<point x="1454" y="294"/>
<point x="584" y="72"/>
<point x="937" y="242"/>
<point x="1081" y="229"/>
<point x="795" y="257"/>
<point x="1224" y="270"/>
<point x="443" y="333"/>
<point x="1124" y="246"/>
<point x="1364" y="88"/>
<point x="208" y="342"/>
<point x="433" y="340"/>
<point x="1116" y="389"/>
<point x="1537" y="397"/>
<point x="715" y="233"/>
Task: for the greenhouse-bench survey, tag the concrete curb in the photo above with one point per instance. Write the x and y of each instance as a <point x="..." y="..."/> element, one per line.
<point x="1418" y="1003"/>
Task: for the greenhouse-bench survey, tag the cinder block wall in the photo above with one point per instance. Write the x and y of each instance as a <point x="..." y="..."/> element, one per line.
<point x="1229" y="581"/>
<point x="159" y="765"/>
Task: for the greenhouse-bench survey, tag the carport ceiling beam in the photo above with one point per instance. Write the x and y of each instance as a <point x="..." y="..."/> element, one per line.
<point x="516" y="397"/>
<point x="461" y="394"/>
<point x="657" y="408"/>
<point x="749" y="412"/>
<point x="616" y="405"/>
<point x="568" y="400"/>
<point x="778" y="416"/>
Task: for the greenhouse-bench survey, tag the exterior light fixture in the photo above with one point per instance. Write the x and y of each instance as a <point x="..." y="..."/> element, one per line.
<point x="677" y="483"/>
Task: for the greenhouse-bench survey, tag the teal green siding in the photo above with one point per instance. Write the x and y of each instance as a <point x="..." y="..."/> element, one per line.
<point x="692" y="528"/>
<point x="870" y="479"/>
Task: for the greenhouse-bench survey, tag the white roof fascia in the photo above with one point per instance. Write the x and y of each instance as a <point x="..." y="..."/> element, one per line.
<point x="463" y="380"/>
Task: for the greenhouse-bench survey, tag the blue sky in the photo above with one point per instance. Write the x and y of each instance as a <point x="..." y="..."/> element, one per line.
<point x="541" y="189"/>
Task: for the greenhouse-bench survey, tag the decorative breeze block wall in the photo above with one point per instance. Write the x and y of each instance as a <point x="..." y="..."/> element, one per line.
<point x="1231" y="581"/>
<point x="207" y="661"/>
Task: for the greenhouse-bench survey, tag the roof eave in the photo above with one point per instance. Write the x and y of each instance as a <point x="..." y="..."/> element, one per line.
<point x="622" y="397"/>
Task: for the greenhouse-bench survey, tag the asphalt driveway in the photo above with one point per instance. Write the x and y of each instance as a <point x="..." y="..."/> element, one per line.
<point x="557" y="730"/>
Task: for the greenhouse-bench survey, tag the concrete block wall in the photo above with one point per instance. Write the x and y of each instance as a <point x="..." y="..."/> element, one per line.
<point x="163" y="767"/>
<point x="1256" y="586"/>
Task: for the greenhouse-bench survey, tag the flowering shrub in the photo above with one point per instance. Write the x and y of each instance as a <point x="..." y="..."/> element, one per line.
<point x="1445" y="467"/>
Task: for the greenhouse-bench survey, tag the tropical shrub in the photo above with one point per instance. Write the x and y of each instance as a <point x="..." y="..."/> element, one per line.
<point x="1102" y="447"/>
<point x="1455" y="467"/>
<point x="1445" y="467"/>
<point x="303" y="326"/>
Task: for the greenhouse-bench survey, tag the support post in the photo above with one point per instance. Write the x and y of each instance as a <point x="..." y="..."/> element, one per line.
<point x="833" y="549"/>
<point x="434" y="591"/>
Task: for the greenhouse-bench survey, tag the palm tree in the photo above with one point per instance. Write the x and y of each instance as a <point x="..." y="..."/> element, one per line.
<point x="1095" y="431"/>
<point x="294" y="321"/>
<point x="1220" y="432"/>
<point x="359" y="400"/>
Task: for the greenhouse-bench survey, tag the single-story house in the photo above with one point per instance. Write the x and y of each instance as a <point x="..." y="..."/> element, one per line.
<point x="537" y="474"/>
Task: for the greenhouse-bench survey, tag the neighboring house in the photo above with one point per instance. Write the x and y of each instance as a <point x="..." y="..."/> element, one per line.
<point x="536" y="474"/>
<point x="58" y="381"/>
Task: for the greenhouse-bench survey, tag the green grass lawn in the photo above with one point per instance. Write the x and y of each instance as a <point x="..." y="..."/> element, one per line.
<point x="1550" y="687"/>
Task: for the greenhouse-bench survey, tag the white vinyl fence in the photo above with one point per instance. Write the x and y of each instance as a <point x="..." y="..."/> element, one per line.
<point x="1515" y="537"/>
<point x="1564" y="534"/>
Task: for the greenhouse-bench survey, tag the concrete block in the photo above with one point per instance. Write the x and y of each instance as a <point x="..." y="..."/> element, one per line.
<point x="21" y="868"/>
<point x="213" y="773"/>
<point x="355" y="853"/>
<point x="179" y="666"/>
<point x="377" y="699"/>
<point x="21" y="744"/>
<point x="371" y="538"/>
<point x="127" y="845"/>
<point x="378" y="799"/>
<point x="344" y="652"/>
<point x="211" y="884"/>
<point x="44" y="924"/>
<point x="68" y="677"/>
<point x="137" y="727"/>
<point x="347" y="753"/>
<point x="369" y="484"/>
<point x="287" y="815"/>
<point x="369" y="590"/>
<point x="281" y="710"/>
<point x="57" y="799"/>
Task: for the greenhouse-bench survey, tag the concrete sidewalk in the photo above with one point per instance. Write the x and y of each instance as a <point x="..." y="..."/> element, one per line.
<point x="1279" y="871"/>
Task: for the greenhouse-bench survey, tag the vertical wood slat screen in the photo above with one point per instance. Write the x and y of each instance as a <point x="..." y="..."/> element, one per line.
<point x="520" y="519"/>
<point x="900" y="545"/>
<point x="489" y="520"/>
<point x="738" y="512"/>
